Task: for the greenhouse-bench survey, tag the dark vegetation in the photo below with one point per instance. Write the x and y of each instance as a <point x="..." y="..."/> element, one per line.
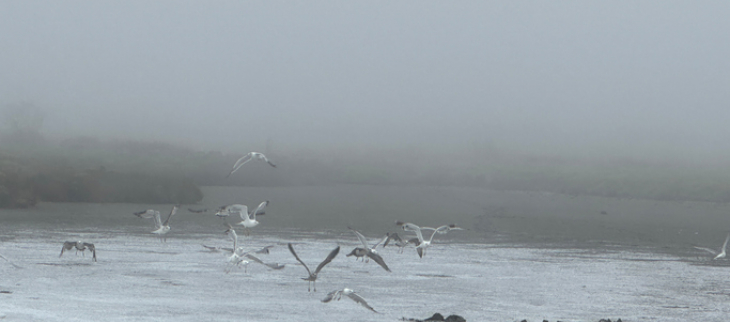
<point x="86" y="169"/>
<point x="90" y="170"/>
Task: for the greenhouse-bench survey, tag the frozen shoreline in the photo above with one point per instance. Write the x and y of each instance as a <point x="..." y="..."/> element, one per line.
<point x="139" y="278"/>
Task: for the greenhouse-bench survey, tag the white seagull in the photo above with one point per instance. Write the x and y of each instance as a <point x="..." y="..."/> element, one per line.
<point x="240" y="258"/>
<point x="423" y="243"/>
<point x="722" y="252"/>
<point x="163" y="228"/>
<point x="312" y="278"/>
<point x="248" y="157"/>
<point x="249" y="219"/>
<point x="337" y="295"/>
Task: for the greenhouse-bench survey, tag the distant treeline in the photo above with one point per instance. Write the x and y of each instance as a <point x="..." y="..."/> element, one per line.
<point x="88" y="169"/>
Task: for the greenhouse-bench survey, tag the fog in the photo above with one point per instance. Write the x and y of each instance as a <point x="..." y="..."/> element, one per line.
<point x="639" y="80"/>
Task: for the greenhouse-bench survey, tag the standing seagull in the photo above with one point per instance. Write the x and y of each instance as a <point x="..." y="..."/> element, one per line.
<point x="349" y="293"/>
<point x="79" y="247"/>
<point x="248" y="157"/>
<point x="163" y="228"/>
<point x="368" y="251"/>
<point x="313" y="276"/>
<point x="722" y="252"/>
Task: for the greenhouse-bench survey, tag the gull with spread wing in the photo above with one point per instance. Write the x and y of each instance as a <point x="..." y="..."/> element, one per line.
<point x="80" y="246"/>
<point x="248" y="157"/>
<point x="337" y="295"/>
<point x="423" y="243"/>
<point x="368" y="251"/>
<point x="312" y="278"/>
<point x="161" y="229"/>
<point x="722" y="252"/>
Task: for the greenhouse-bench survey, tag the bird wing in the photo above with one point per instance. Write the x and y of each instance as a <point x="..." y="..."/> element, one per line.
<point x="291" y="249"/>
<point x="241" y="161"/>
<point x="327" y="260"/>
<point x="724" y="245"/>
<point x="211" y="247"/>
<point x="357" y="298"/>
<point x="172" y="213"/>
<point x="438" y="230"/>
<point x="361" y="238"/>
<point x="91" y="247"/>
<point x="254" y="258"/>
<point x="242" y="211"/>
<point x="158" y="221"/>
<point x="145" y="213"/>
<point x="420" y="252"/>
<point x="382" y="241"/>
<point x="709" y="250"/>
<point x="331" y="295"/>
<point x="259" y="209"/>
<point x="378" y="259"/>
<point x="264" y="250"/>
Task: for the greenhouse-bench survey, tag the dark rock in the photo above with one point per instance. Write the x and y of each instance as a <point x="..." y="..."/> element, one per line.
<point x="435" y="317"/>
<point x="455" y="318"/>
<point x="438" y="317"/>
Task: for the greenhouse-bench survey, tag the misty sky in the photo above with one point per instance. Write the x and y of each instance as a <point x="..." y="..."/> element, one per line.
<point x="619" y="77"/>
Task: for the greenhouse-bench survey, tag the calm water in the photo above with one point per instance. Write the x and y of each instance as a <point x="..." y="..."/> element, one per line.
<point x="139" y="278"/>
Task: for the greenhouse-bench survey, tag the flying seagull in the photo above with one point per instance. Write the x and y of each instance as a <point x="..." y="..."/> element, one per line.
<point x="248" y="157"/>
<point x="398" y="241"/>
<point x="313" y="276"/>
<point x="368" y="251"/>
<point x="722" y="252"/>
<point x="79" y="247"/>
<point x="240" y="258"/>
<point x="423" y="243"/>
<point x="249" y="219"/>
<point x="337" y="295"/>
<point x="161" y="229"/>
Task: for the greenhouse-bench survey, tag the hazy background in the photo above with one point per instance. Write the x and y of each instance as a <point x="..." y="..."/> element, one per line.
<point x="644" y="80"/>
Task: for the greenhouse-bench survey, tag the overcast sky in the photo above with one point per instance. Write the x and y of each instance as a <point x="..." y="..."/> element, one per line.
<point x="627" y="77"/>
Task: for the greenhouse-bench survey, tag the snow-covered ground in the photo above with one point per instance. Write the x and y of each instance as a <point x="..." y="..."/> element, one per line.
<point x="139" y="278"/>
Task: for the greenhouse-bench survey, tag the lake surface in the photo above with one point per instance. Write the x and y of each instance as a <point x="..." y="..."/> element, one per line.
<point x="508" y="267"/>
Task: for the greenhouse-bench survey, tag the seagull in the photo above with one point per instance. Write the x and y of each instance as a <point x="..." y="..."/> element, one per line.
<point x="422" y="243"/>
<point x="722" y="252"/>
<point x="313" y="276"/>
<point x="239" y="257"/>
<point x="242" y="210"/>
<point x="79" y="247"/>
<point x="358" y="252"/>
<point x="398" y="241"/>
<point x="337" y="294"/>
<point x="163" y="228"/>
<point x="147" y="214"/>
<point x="369" y="251"/>
<point x="249" y="219"/>
<point x="248" y="157"/>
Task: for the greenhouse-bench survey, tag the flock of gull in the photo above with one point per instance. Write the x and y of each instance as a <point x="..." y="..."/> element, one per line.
<point x="239" y="257"/>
